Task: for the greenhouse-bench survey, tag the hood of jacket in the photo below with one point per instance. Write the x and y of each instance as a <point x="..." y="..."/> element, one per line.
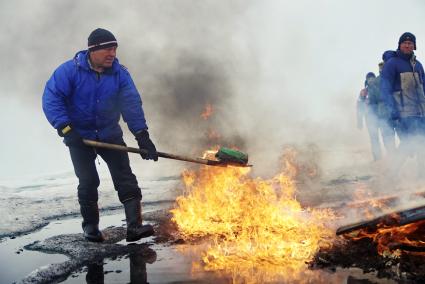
<point x="388" y="54"/>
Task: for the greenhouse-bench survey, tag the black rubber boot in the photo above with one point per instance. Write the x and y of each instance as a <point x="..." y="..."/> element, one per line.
<point x="133" y="215"/>
<point x="90" y="213"/>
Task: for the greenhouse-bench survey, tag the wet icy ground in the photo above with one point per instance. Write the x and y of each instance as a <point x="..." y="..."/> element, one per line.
<point x="34" y="258"/>
<point x="36" y="211"/>
<point x="114" y="261"/>
<point x="36" y="208"/>
<point x="26" y="204"/>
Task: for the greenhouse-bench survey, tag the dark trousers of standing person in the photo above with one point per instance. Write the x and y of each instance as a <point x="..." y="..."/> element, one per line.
<point x="374" y="126"/>
<point x="125" y="182"/>
<point x="84" y="161"/>
<point x="411" y="131"/>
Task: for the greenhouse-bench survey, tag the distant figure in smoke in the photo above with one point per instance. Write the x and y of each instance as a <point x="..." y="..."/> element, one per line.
<point x="85" y="98"/>
<point x="371" y="109"/>
<point x="402" y="87"/>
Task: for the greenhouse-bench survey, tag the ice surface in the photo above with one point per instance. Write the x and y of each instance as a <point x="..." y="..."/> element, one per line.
<point x="30" y="202"/>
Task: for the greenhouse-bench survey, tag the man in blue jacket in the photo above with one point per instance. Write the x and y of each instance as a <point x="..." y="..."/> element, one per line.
<point x="84" y="99"/>
<point x="402" y="87"/>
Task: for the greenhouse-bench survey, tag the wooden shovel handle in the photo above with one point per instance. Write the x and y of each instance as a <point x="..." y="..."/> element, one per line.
<point x="122" y="148"/>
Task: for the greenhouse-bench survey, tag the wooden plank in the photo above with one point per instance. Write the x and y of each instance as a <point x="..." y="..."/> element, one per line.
<point x="397" y="218"/>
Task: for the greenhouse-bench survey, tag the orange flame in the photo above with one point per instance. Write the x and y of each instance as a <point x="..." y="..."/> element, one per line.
<point x="249" y="222"/>
<point x="210" y="154"/>
<point x="208" y="111"/>
<point x="370" y="205"/>
<point x="390" y="239"/>
<point x="299" y="165"/>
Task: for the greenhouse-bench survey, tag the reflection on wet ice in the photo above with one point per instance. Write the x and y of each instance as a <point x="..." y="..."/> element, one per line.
<point x="138" y="275"/>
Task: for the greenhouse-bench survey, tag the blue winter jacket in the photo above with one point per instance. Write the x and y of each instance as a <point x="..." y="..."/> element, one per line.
<point x="403" y="84"/>
<point x="93" y="102"/>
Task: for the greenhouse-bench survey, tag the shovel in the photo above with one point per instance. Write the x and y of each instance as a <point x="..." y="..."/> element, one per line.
<point x="225" y="157"/>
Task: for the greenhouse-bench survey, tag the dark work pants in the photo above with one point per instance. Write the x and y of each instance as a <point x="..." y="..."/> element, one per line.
<point x="84" y="161"/>
<point x="411" y="131"/>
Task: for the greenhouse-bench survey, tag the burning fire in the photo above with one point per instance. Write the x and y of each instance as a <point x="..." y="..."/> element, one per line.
<point x="300" y="165"/>
<point x="208" y="111"/>
<point x="391" y="239"/>
<point x="370" y="206"/>
<point x="209" y="155"/>
<point x="251" y="224"/>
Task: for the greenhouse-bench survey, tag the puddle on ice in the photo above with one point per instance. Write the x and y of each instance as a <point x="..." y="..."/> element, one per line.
<point x="16" y="262"/>
<point x="165" y="265"/>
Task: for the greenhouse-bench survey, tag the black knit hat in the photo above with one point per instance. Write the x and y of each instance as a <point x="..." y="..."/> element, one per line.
<point x="407" y="37"/>
<point x="101" y="38"/>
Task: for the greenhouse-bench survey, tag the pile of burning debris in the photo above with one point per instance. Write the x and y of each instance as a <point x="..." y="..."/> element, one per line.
<point x="392" y="245"/>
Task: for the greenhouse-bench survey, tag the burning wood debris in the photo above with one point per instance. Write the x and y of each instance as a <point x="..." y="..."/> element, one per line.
<point x="393" y="245"/>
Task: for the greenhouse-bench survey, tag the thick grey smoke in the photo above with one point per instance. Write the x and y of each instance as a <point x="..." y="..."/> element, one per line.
<point x="275" y="73"/>
<point x="180" y="97"/>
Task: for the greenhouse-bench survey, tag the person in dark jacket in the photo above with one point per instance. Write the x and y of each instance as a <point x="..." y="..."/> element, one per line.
<point x="402" y="87"/>
<point x="365" y="113"/>
<point x="84" y="99"/>
<point x="371" y="109"/>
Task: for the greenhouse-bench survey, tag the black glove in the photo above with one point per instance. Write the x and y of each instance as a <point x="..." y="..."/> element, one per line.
<point x="145" y="143"/>
<point x="70" y="135"/>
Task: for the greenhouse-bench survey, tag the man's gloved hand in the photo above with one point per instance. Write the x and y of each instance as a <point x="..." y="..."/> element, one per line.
<point x="70" y="135"/>
<point x="146" y="143"/>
